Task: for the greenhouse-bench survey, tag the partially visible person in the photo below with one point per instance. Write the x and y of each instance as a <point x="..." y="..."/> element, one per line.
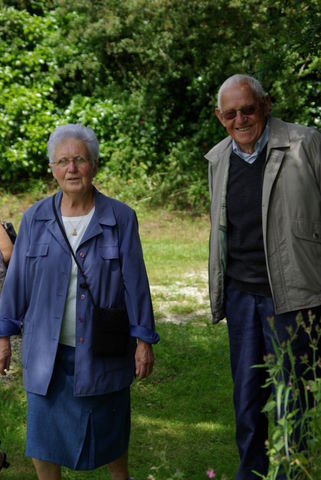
<point x="78" y="404"/>
<point x="5" y="253"/>
<point x="265" y="248"/>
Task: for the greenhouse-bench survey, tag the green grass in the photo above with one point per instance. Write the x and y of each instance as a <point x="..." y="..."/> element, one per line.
<point x="182" y="416"/>
<point x="184" y="410"/>
<point x="175" y="243"/>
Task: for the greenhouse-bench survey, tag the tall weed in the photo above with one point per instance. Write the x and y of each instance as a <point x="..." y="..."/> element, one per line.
<point x="294" y="445"/>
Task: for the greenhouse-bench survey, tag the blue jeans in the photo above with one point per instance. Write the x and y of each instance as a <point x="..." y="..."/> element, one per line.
<point x="250" y="338"/>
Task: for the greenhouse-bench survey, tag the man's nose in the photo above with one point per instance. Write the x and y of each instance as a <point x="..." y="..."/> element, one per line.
<point x="241" y="117"/>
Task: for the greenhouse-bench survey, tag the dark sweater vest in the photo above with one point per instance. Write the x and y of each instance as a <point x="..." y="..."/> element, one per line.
<point x="246" y="266"/>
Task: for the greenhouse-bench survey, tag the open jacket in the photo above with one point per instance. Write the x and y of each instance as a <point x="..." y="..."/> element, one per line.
<point x="291" y="217"/>
<point x="36" y="284"/>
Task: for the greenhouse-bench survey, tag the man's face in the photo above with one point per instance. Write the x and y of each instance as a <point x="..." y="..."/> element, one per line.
<point x="250" y="119"/>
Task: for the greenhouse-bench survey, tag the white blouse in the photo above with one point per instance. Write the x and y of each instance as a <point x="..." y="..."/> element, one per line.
<point x="75" y="228"/>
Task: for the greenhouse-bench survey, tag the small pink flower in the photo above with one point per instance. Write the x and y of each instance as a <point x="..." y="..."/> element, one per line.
<point x="210" y="473"/>
<point x="308" y="387"/>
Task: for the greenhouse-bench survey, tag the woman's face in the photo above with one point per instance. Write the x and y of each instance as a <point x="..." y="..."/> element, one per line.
<point x="72" y="167"/>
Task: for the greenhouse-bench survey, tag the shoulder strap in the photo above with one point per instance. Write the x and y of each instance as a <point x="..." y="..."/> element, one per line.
<point x="83" y="285"/>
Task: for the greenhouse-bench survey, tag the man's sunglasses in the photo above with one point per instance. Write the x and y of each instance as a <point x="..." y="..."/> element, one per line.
<point x="246" y="111"/>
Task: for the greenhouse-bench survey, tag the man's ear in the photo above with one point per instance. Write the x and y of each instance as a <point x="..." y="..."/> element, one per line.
<point x="219" y="116"/>
<point x="267" y="104"/>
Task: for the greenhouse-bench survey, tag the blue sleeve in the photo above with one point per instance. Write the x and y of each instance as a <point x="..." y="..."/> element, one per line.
<point x="137" y="292"/>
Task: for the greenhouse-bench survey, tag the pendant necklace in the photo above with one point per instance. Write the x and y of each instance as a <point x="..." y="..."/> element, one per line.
<point x="77" y="224"/>
<point x="74" y="232"/>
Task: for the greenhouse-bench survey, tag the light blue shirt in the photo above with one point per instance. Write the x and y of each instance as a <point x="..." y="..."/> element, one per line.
<point x="260" y="144"/>
<point x="35" y="290"/>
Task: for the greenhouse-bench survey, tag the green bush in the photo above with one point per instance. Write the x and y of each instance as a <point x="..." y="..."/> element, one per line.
<point x="144" y="75"/>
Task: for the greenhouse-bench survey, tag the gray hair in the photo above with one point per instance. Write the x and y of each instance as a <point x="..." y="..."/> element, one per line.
<point x="78" y="132"/>
<point x="238" y="79"/>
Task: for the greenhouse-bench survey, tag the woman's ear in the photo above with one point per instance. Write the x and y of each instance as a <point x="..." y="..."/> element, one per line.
<point x="52" y="171"/>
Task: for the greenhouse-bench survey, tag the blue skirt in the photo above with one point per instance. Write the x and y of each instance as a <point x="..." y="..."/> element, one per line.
<point x="81" y="433"/>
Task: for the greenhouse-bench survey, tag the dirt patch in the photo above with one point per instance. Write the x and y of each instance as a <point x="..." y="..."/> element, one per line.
<point x="184" y="301"/>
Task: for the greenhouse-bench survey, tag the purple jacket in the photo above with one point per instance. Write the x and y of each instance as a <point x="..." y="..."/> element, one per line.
<point x="36" y="284"/>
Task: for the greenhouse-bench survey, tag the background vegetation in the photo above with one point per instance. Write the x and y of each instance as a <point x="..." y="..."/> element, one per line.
<point x="144" y="75"/>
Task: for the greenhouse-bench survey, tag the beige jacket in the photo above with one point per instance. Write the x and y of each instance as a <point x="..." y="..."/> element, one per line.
<point x="291" y="217"/>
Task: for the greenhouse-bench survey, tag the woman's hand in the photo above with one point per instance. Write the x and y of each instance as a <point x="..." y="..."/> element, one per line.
<point x="144" y="359"/>
<point x="5" y="354"/>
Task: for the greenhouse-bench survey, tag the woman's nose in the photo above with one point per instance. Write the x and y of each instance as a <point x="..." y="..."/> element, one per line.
<point x="72" y="165"/>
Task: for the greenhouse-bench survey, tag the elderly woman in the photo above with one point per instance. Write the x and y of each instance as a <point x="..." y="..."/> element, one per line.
<point x="78" y="411"/>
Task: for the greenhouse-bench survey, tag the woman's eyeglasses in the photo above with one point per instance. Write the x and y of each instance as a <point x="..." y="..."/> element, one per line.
<point x="78" y="161"/>
<point x="246" y="111"/>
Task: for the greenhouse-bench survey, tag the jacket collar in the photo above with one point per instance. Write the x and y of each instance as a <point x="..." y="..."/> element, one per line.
<point x="224" y="148"/>
<point x="103" y="215"/>
<point x="104" y="212"/>
<point x="278" y="143"/>
<point x="279" y="134"/>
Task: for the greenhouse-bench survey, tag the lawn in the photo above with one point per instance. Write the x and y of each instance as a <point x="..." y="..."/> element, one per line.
<point x="182" y="416"/>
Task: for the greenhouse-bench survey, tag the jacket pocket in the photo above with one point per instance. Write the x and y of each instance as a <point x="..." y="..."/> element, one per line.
<point x="305" y="230"/>
<point x="304" y="262"/>
<point x="109" y="252"/>
<point x="38" y="250"/>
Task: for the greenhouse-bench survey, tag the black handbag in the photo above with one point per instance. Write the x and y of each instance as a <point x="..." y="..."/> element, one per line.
<point x="9" y="228"/>
<point x="110" y="332"/>
<point x="110" y="329"/>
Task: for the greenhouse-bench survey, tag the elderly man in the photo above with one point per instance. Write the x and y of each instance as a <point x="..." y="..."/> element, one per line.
<point x="265" y="246"/>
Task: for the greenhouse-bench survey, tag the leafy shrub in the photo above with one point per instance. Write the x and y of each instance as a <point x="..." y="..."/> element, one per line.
<point x="144" y="75"/>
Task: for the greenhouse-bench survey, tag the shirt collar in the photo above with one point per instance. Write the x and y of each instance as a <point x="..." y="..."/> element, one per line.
<point x="260" y="144"/>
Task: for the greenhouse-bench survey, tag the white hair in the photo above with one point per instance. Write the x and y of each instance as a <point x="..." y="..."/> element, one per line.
<point x="238" y="79"/>
<point x="78" y="132"/>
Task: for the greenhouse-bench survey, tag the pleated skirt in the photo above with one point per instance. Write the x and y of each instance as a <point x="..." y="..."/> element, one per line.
<point x="81" y="433"/>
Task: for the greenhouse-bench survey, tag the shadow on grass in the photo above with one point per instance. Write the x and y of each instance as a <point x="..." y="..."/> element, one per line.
<point x="183" y="415"/>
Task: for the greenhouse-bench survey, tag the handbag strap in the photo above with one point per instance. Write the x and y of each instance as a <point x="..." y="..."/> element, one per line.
<point x="83" y="285"/>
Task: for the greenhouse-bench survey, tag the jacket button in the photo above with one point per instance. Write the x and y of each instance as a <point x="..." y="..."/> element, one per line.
<point x="81" y="340"/>
<point x="82" y="296"/>
<point x="82" y="254"/>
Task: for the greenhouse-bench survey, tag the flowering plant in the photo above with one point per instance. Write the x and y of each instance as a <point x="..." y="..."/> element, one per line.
<point x="210" y="473"/>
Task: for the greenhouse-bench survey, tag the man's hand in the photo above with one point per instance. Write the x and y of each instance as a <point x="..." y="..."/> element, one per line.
<point x="144" y="359"/>
<point x="5" y="354"/>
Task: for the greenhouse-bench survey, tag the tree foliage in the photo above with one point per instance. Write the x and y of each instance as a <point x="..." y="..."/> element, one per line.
<point x="144" y="75"/>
